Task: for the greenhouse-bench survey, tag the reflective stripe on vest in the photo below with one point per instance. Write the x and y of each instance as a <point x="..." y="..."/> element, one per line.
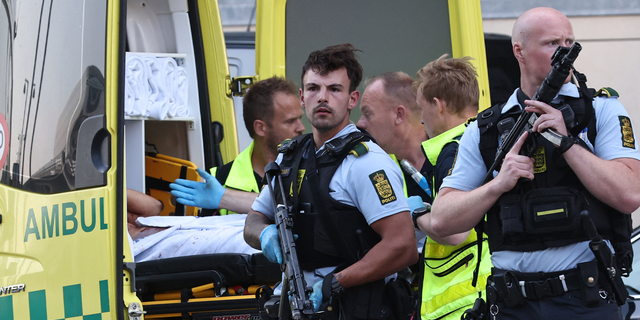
<point x="448" y="270"/>
<point x="241" y="175"/>
<point x="448" y="274"/>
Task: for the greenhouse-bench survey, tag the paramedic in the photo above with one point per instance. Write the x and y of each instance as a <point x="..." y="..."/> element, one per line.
<point x="272" y="114"/>
<point x="346" y="183"/>
<point x="543" y="267"/>
<point x="448" y="93"/>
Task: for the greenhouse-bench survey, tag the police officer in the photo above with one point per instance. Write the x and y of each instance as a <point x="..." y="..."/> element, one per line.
<point x="543" y="267"/>
<point x="272" y="114"/>
<point x="342" y="186"/>
<point x="392" y="117"/>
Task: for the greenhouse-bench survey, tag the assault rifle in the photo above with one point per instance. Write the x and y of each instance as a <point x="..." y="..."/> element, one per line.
<point x="293" y="285"/>
<point x="561" y="62"/>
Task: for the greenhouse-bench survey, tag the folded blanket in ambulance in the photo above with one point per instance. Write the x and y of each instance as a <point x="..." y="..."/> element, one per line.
<point x="155" y="87"/>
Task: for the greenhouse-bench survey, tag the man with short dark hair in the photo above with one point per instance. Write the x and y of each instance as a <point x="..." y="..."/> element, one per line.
<point x="272" y="114"/>
<point x="346" y="193"/>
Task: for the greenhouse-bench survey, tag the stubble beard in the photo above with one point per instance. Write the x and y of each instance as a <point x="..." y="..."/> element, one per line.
<point x="327" y="123"/>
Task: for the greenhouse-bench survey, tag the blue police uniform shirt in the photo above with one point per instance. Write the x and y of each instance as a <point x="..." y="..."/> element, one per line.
<point x="351" y="185"/>
<point x="469" y="171"/>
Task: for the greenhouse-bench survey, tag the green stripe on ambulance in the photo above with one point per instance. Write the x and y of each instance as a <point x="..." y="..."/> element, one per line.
<point x="72" y="296"/>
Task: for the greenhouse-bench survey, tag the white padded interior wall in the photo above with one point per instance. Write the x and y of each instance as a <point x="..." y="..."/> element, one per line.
<point x="150" y="26"/>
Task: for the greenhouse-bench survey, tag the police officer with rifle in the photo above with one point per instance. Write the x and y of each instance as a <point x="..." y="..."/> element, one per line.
<point x="349" y="212"/>
<point x="566" y="153"/>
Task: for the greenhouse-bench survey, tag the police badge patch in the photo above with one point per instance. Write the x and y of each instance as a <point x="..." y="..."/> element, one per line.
<point x="383" y="187"/>
<point x="628" y="141"/>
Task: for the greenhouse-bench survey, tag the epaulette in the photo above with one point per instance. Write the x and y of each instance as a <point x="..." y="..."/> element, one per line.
<point x="337" y="146"/>
<point x="607" y="92"/>
<point x="359" y="149"/>
<point x="287" y="146"/>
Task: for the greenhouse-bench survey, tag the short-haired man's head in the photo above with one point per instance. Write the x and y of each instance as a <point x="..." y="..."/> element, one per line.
<point x="534" y="20"/>
<point x="258" y="102"/>
<point x="452" y="80"/>
<point x="333" y="58"/>
<point x="398" y="88"/>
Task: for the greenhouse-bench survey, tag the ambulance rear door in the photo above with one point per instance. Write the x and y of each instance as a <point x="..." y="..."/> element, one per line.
<point x="61" y="191"/>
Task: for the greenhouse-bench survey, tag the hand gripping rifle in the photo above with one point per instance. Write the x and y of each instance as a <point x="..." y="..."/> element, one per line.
<point x="293" y="284"/>
<point x="561" y="62"/>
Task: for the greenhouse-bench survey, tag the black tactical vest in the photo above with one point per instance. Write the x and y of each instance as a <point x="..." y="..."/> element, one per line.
<point x="329" y="233"/>
<point x="545" y="212"/>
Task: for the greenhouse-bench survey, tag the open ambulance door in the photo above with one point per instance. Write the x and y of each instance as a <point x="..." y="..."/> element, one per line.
<point x="393" y="36"/>
<point x="62" y="249"/>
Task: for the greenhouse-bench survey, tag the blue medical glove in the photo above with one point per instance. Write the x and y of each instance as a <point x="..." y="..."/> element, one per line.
<point x="316" y="295"/>
<point x="198" y="194"/>
<point x="415" y="202"/>
<point x="270" y="244"/>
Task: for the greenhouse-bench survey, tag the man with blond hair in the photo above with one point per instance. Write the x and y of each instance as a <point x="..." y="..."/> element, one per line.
<point x="448" y="94"/>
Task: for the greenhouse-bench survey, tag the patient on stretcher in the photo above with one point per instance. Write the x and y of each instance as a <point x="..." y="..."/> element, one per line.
<point x="161" y="237"/>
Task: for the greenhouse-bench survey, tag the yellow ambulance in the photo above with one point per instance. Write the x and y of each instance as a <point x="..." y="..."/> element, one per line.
<point x="75" y="134"/>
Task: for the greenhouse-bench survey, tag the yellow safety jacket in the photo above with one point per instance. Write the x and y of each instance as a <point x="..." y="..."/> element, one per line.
<point x="241" y="176"/>
<point x="404" y="182"/>
<point x="448" y="272"/>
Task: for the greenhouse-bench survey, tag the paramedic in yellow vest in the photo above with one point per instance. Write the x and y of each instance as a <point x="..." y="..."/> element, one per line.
<point x="447" y="92"/>
<point x="272" y="114"/>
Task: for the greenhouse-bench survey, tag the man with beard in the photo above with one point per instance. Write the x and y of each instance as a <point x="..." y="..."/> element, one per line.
<point x="351" y="217"/>
<point x="271" y="114"/>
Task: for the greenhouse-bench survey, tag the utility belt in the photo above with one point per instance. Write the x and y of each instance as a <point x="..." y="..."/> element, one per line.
<point x="514" y="288"/>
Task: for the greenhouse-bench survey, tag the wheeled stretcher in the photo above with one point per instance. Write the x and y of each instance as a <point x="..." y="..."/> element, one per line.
<point x="213" y="286"/>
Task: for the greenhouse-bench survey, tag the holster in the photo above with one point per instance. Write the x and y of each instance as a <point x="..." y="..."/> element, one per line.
<point x="502" y="285"/>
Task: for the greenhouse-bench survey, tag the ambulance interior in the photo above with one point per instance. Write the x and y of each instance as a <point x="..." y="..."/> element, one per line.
<point x="164" y="144"/>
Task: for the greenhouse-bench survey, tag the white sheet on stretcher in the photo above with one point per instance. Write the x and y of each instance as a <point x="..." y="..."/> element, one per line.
<point x="191" y="236"/>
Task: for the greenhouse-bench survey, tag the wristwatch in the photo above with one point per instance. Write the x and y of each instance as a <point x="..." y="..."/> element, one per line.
<point x="419" y="212"/>
<point x="566" y="142"/>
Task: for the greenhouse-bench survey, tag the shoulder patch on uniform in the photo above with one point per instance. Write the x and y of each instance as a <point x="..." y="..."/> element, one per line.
<point x="628" y="140"/>
<point x="607" y="92"/>
<point x="383" y="187"/>
<point x="359" y="149"/>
